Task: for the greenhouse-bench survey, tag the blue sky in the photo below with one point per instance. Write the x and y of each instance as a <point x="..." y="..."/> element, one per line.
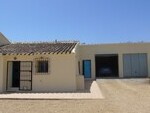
<point x="88" y="21"/>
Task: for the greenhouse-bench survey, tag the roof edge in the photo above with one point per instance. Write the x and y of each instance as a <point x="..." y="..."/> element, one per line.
<point x="75" y="48"/>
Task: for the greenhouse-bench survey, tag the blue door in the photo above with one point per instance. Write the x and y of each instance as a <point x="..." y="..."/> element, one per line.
<point x="87" y="68"/>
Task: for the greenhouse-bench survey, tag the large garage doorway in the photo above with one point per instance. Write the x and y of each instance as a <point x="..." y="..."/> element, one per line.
<point x="106" y="65"/>
<point x="135" y="65"/>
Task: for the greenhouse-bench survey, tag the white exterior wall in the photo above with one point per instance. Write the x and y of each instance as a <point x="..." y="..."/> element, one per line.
<point x="80" y="77"/>
<point x="88" y="52"/>
<point x="62" y="76"/>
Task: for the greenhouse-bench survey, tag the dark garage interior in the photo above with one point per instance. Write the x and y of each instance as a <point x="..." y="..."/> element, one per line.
<point x="106" y="65"/>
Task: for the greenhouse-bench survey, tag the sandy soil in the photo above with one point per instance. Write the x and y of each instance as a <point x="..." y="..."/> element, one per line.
<point x="121" y="96"/>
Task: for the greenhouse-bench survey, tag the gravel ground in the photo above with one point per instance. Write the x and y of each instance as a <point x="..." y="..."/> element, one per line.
<point x="120" y="96"/>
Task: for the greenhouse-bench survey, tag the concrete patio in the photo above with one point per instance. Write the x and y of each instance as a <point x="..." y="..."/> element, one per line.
<point x="91" y="91"/>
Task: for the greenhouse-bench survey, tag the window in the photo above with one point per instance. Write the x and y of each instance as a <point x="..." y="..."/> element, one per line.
<point x="42" y="65"/>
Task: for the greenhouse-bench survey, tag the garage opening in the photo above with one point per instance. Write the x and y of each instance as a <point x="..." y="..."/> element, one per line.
<point x="135" y="65"/>
<point x="106" y="65"/>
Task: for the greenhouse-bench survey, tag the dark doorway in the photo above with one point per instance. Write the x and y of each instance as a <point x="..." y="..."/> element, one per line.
<point x="106" y="65"/>
<point x="16" y="74"/>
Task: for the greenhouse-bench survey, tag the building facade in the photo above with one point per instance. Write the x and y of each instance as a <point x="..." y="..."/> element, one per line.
<point x="40" y="67"/>
<point x="63" y="66"/>
<point x="115" y="60"/>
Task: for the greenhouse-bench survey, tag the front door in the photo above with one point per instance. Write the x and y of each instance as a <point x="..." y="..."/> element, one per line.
<point x="25" y="75"/>
<point x="87" y="68"/>
<point x="19" y="75"/>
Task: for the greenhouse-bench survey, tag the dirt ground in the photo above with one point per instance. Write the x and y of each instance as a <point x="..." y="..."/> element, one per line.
<point x="121" y="96"/>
